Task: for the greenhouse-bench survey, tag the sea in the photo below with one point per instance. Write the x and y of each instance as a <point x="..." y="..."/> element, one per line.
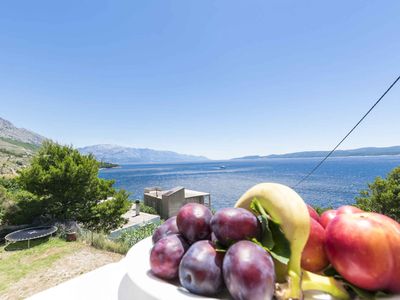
<point x="337" y="182"/>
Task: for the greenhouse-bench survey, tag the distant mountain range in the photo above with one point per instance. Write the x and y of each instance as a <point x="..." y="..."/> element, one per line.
<point x="17" y="146"/>
<point x="126" y="155"/>
<point x="368" y="151"/>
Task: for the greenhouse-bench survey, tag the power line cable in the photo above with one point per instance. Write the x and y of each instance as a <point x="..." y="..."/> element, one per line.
<point x="355" y="126"/>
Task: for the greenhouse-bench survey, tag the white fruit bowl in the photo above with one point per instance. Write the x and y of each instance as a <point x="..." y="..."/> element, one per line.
<point x="145" y="286"/>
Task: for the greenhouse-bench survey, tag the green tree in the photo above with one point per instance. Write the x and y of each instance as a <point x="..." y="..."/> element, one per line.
<point x="107" y="215"/>
<point x="383" y="196"/>
<point x="4" y="203"/>
<point x="22" y="207"/>
<point x="321" y="209"/>
<point x="67" y="183"/>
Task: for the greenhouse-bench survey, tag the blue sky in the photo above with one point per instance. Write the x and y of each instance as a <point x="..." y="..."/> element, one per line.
<point x="215" y="78"/>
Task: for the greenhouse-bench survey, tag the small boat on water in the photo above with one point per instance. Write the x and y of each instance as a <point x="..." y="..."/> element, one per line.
<point x="222" y="167"/>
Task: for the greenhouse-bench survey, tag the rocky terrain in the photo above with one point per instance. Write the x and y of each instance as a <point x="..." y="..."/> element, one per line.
<point x="17" y="145"/>
<point x="9" y="131"/>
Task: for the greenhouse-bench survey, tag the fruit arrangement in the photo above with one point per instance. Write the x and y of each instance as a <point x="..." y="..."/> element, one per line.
<point x="272" y="244"/>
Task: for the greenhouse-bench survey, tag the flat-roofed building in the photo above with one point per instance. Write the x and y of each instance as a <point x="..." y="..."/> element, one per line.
<point x="168" y="202"/>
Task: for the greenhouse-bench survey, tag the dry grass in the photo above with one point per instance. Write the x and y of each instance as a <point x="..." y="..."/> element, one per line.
<point x="28" y="271"/>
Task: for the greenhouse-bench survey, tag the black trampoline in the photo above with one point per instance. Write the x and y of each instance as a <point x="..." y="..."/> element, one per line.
<point x="29" y="234"/>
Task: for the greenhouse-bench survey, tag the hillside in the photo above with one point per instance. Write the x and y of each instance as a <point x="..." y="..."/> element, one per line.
<point x="17" y="146"/>
<point x="14" y="155"/>
<point x="368" y="151"/>
<point x="126" y="155"/>
<point x="9" y="131"/>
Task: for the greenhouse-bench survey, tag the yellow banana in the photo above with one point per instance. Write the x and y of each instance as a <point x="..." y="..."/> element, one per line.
<point x="286" y="208"/>
<point x="314" y="282"/>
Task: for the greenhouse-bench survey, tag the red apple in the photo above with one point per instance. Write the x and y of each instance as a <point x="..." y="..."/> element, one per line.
<point x="327" y="216"/>
<point x="348" y="209"/>
<point x="365" y="249"/>
<point x="314" y="258"/>
<point x="313" y="213"/>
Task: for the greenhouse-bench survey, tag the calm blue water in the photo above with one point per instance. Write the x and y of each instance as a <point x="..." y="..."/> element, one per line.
<point x="335" y="183"/>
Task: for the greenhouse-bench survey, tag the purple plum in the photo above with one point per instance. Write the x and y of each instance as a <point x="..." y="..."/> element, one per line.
<point x="166" y="255"/>
<point x="193" y="222"/>
<point x="200" y="271"/>
<point x="234" y="224"/>
<point x="167" y="228"/>
<point x="249" y="272"/>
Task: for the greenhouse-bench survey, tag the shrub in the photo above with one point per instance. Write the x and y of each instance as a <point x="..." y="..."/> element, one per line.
<point x="5" y="203"/>
<point x="383" y="196"/>
<point x="11" y="184"/>
<point x="24" y="208"/>
<point x="123" y="243"/>
<point x="133" y="236"/>
<point x="321" y="209"/>
<point x="147" y="209"/>
<point x="102" y="242"/>
<point x="107" y="215"/>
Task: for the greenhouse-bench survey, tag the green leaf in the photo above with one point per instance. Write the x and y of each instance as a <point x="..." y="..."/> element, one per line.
<point x="266" y="237"/>
<point x="278" y="257"/>
<point x="282" y="259"/>
<point x="273" y="240"/>
<point x="330" y="271"/>
<point x="254" y="206"/>
<point x="266" y="234"/>
<point x="257" y="208"/>
<point x="281" y="250"/>
<point x="219" y="247"/>
<point x="380" y="294"/>
<point x="361" y="293"/>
